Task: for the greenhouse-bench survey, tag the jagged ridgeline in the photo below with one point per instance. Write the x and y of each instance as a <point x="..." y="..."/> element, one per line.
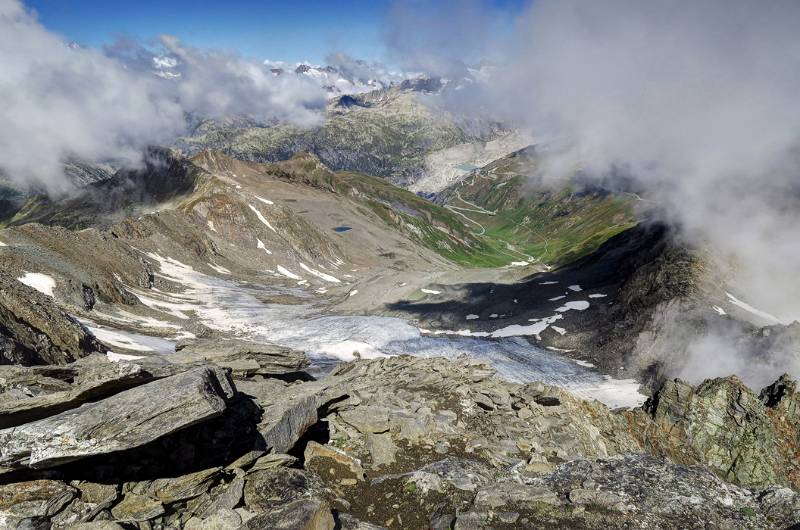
<point x="168" y="179"/>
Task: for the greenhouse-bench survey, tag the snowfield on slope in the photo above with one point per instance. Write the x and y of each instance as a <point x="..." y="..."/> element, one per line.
<point x="41" y="282"/>
<point x="227" y="306"/>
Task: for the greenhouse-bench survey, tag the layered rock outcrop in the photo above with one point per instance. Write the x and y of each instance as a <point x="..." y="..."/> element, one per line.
<point x="396" y="442"/>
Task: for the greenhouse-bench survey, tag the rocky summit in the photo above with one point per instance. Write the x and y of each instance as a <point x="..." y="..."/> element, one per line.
<point x="238" y="439"/>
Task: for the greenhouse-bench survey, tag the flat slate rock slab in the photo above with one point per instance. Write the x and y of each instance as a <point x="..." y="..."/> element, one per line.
<point x="123" y="421"/>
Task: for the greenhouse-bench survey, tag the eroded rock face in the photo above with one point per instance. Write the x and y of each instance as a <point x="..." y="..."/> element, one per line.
<point x="34" y="330"/>
<point x="53" y="390"/>
<point x="746" y="439"/>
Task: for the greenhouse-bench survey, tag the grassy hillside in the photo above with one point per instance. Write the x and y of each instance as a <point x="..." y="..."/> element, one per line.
<point x="555" y="222"/>
<point x="421" y="220"/>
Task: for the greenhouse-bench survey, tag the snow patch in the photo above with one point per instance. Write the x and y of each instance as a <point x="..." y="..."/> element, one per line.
<point x="262" y="218"/>
<point x="547" y="283"/>
<point x="124" y="317"/>
<point x="345" y="350"/>
<point x="430" y="291"/>
<point x="560" y="331"/>
<point x="262" y="247"/>
<point x="219" y="269"/>
<point x="472" y="317"/>
<point x="577" y="305"/>
<point x="518" y="264"/>
<point x="750" y="309"/>
<point x="286" y="272"/>
<point x="210" y="224"/>
<point x="265" y="201"/>
<point x="557" y="298"/>
<point x="353" y="292"/>
<point x="117" y="357"/>
<point x="460" y="333"/>
<point x="3" y="244"/>
<point x="318" y="274"/>
<point x="535" y="329"/>
<point x="576" y="288"/>
<point x="41" y="282"/>
<point x="719" y="310"/>
<point x="597" y="295"/>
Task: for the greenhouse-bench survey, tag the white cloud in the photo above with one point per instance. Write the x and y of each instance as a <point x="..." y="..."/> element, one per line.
<point x="59" y="102"/>
<point x="695" y="101"/>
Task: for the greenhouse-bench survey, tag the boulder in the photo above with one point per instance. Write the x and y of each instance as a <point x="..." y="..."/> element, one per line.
<point x="289" y="410"/>
<point x="367" y="419"/>
<point x="268" y="489"/>
<point x="35" y="498"/>
<point x="171" y="490"/>
<point x="303" y="514"/>
<point x="123" y="421"/>
<point x="95" y="525"/>
<point x="135" y="507"/>
<point x="243" y="358"/>
<point x="381" y="448"/>
<point x="34" y="330"/>
<point x="91" y="381"/>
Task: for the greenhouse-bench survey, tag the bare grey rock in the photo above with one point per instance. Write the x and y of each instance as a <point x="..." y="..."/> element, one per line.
<point x="367" y="419"/>
<point x="268" y="489"/>
<point x="303" y="514"/>
<point x="381" y="448"/>
<point x="222" y="519"/>
<point x="91" y="381"/>
<point x="273" y="460"/>
<point x="171" y="490"/>
<point x="36" y="498"/>
<point x="244" y="358"/>
<point x="135" y="507"/>
<point x="95" y="525"/>
<point x="348" y="522"/>
<point x="34" y="330"/>
<point x="126" y="420"/>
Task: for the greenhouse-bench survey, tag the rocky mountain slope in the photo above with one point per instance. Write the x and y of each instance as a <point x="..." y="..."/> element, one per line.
<point x="389" y="443"/>
<point x="386" y="132"/>
<point x="231" y="322"/>
<point x="643" y="305"/>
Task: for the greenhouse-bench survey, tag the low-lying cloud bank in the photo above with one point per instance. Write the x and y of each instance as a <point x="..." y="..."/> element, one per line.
<point x="61" y="102"/>
<point x="695" y="101"/>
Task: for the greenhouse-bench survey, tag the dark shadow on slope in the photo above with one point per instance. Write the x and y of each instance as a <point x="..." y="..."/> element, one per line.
<point x="537" y="296"/>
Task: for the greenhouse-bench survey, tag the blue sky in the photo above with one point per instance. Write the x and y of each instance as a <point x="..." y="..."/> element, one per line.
<point x="279" y="30"/>
<point x="290" y="31"/>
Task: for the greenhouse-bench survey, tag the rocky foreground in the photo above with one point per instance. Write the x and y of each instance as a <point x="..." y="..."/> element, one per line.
<point x="228" y="434"/>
